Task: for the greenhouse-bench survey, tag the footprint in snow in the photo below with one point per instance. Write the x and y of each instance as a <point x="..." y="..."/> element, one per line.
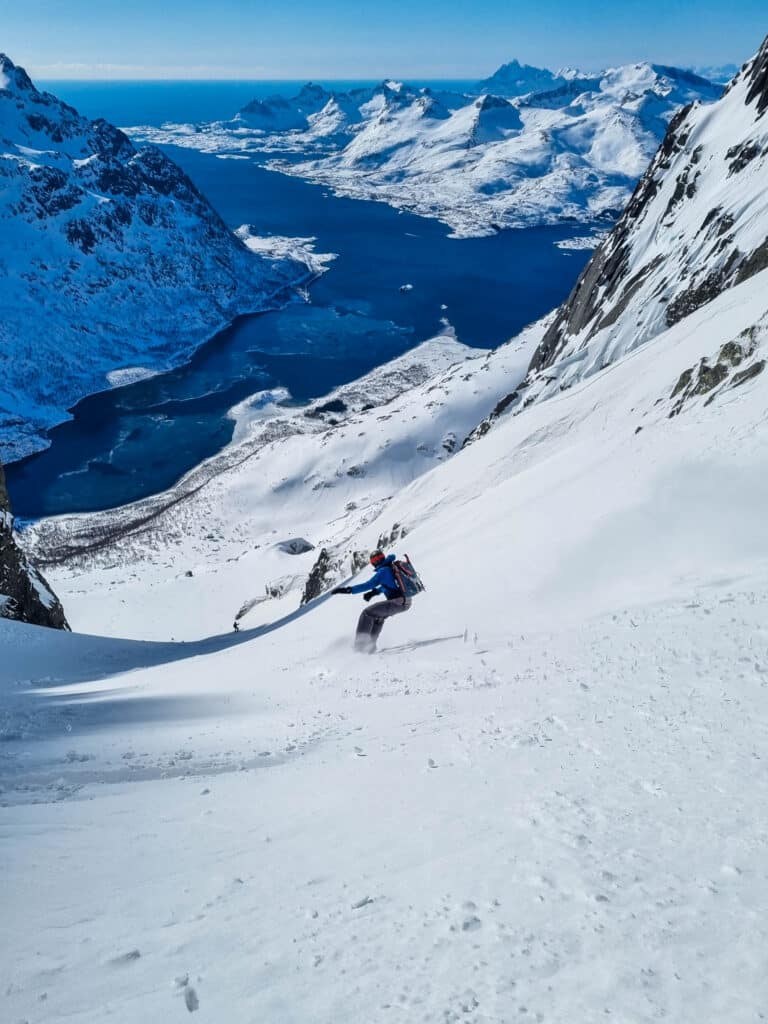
<point x="191" y="1001"/>
<point x="125" y="958"/>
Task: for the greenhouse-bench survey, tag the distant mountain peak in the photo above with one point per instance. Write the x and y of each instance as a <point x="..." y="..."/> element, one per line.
<point x="516" y="79"/>
<point x="13" y="78"/>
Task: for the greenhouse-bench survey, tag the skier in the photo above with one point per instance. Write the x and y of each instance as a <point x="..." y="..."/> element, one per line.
<point x="383" y="581"/>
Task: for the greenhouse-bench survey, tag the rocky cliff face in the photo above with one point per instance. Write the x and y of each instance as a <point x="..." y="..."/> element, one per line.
<point x="111" y="259"/>
<point x="24" y="594"/>
<point x="697" y="223"/>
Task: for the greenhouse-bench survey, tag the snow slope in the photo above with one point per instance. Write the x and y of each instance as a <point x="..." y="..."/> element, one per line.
<point x="570" y="152"/>
<point x="544" y="799"/>
<point x="697" y="224"/>
<point x="111" y="259"/>
<point x="317" y="474"/>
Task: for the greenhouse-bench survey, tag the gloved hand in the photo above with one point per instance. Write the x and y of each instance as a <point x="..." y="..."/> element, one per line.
<point x="369" y="594"/>
<point x="342" y="590"/>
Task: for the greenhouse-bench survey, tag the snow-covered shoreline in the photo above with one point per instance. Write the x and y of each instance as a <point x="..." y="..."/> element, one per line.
<point x="569" y="150"/>
<point x="114" y="261"/>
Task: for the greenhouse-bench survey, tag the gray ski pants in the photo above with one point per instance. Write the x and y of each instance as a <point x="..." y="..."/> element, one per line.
<point x="371" y="621"/>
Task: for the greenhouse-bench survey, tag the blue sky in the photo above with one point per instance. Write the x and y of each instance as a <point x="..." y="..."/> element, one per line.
<point x="248" y="39"/>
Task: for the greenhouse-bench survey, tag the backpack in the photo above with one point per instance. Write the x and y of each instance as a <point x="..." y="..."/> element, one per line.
<point x="407" y="578"/>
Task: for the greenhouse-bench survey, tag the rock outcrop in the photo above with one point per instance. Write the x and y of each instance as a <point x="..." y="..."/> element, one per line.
<point x="24" y="594"/>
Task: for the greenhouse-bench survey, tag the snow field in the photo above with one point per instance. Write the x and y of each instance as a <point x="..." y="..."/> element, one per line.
<point x="562" y="822"/>
<point x="543" y="800"/>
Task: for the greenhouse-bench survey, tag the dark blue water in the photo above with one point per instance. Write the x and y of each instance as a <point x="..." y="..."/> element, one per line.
<point x="137" y="440"/>
<point x="141" y="103"/>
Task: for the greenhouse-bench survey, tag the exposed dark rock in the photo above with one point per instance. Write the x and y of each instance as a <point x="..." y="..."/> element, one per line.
<point x="386" y="540"/>
<point x="328" y="569"/>
<point x="52" y="190"/>
<point x="485" y="425"/>
<point x="81" y="234"/>
<point x="335" y="405"/>
<point x="705" y="379"/>
<point x="713" y="214"/>
<point x="603" y="277"/>
<point x="697" y="381"/>
<point x="699" y="295"/>
<point x="358" y="561"/>
<point x="732" y="353"/>
<point x="748" y="374"/>
<point x="295" y="546"/>
<point x="628" y="290"/>
<point x="709" y="377"/>
<point x="754" y="263"/>
<point x="684" y="189"/>
<point x="741" y="156"/>
<point x="321" y="575"/>
<point x="684" y="380"/>
<point x="758" y="79"/>
<point x="24" y="594"/>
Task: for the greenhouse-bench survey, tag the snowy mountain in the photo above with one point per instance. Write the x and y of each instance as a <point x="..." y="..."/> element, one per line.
<point x="541" y="799"/>
<point x="696" y="225"/>
<point x="112" y="259"/>
<point x="516" y="79"/>
<point x="276" y="113"/>
<point x="572" y="151"/>
<point x="24" y="594"/>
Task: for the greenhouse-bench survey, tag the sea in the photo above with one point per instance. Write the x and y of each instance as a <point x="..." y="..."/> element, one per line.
<point x="139" y="439"/>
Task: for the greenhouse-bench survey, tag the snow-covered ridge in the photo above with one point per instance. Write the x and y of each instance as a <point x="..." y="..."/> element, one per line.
<point x="696" y="225"/>
<point x="111" y="259"/>
<point x="571" y="148"/>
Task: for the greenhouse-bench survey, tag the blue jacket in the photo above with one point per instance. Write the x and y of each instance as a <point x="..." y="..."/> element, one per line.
<point x="383" y="580"/>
